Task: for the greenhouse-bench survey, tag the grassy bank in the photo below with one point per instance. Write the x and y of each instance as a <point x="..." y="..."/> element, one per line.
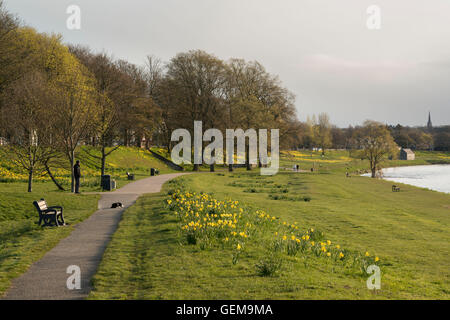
<point x="125" y="159"/>
<point x="150" y="256"/>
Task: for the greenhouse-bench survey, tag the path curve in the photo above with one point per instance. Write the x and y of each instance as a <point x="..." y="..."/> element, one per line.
<point x="84" y="247"/>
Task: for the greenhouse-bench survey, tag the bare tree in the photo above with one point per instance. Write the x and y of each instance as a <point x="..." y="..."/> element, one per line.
<point x="197" y="80"/>
<point x="27" y="121"/>
<point x="322" y="132"/>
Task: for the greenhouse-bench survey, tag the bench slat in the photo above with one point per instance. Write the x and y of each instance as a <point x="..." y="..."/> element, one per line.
<point x="42" y="205"/>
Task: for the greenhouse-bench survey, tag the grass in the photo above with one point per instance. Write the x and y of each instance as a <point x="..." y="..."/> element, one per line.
<point x="22" y="241"/>
<point x="125" y="159"/>
<point x="149" y="258"/>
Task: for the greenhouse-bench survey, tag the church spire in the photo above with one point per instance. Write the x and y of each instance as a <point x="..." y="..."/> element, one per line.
<point x="429" y="124"/>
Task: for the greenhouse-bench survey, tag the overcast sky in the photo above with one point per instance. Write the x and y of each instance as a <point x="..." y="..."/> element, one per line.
<point x="322" y="50"/>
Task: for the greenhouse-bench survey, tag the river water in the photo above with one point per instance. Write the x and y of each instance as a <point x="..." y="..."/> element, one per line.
<point x="434" y="177"/>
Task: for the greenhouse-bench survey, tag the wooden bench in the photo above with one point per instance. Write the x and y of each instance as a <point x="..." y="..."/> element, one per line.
<point x="395" y="188"/>
<point x="49" y="215"/>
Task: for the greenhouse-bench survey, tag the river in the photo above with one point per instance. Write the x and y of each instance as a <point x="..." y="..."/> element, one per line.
<point x="434" y="177"/>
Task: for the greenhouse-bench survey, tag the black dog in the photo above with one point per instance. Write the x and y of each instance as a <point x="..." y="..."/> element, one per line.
<point x="117" y="205"/>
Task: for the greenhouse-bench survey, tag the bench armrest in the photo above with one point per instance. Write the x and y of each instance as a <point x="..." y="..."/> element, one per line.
<point x="55" y="207"/>
<point x="49" y="210"/>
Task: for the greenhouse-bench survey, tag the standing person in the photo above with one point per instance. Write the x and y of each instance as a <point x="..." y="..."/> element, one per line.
<point x="77" y="176"/>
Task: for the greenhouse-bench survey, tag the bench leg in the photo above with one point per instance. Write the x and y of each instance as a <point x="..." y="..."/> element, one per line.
<point x="61" y="219"/>
<point x="47" y="221"/>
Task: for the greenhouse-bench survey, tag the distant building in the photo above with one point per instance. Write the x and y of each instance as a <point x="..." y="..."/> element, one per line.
<point x="407" y="154"/>
<point x="429" y="124"/>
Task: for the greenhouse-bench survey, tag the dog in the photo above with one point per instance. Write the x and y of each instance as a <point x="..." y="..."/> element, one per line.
<point x="116" y="205"/>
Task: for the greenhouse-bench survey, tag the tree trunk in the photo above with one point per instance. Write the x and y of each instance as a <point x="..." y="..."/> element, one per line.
<point x="125" y="138"/>
<point x="247" y="156"/>
<point x="72" y="176"/>
<point x="47" y="168"/>
<point x="103" y="160"/>
<point x="30" y="180"/>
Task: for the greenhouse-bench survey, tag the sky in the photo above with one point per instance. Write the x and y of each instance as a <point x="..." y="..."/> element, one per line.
<point x="322" y="50"/>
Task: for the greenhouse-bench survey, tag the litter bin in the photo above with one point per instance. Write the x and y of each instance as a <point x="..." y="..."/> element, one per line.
<point x="106" y="182"/>
<point x="152" y="172"/>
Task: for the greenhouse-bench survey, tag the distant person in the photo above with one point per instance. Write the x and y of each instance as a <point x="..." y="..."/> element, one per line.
<point x="297" y="167"/>
<point x="77" y="176"/>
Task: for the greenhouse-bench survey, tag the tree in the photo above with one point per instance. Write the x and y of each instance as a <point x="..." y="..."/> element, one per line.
<point x="375" y="143"/>
<point x="76" y="110"/>
<point x="255" y="99"/>
<point x="442" y="141"/>
<point x="108" y="96"/>
<point x="322" y="132"/>
<point x="27" y="120"/>
<point x="197" y="80"/>
<point x="137" y="111"/>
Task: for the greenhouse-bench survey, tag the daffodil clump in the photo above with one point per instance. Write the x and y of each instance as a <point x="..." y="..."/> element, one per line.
<point x="207" y="221"/>
<point x="291" y="240"/>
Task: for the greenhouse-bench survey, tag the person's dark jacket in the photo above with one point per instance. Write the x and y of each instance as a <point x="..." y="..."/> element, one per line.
<point x="77" y="171"/>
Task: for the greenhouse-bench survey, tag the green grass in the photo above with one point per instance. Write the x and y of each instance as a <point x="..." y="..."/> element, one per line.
<point x="125" y="159"/>
<point x="22" y="241"/>
<point x="149" y="258"/>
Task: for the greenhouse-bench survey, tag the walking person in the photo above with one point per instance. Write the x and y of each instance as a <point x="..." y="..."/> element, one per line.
<point x="77" y="176"/>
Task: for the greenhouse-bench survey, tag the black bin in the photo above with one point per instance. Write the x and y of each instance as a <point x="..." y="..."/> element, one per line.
<point x="106" y="182"/>
<point x="152" y="171"/>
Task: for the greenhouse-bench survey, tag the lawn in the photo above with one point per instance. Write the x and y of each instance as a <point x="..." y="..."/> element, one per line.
<point x="22" y="241"/>
<point x="150" y="256"/>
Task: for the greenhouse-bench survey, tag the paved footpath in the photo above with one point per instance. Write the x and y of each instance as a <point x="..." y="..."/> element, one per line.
<point x="46" y="279"/>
